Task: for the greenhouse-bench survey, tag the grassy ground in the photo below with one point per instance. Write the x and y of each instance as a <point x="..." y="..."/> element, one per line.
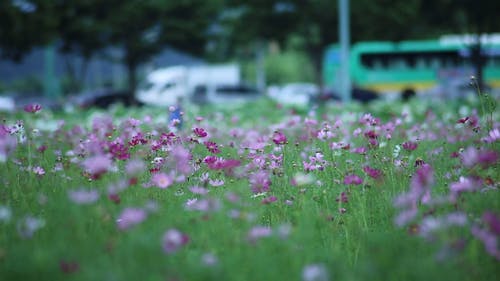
<point x="301" y="224"/>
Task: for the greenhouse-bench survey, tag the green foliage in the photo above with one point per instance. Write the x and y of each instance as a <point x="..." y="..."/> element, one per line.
<point x="27" y="85"/>
<point x="283" y="67"/>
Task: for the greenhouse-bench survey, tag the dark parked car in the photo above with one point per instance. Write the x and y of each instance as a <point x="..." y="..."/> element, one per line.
<point x="17" y="101"/>
<point x="103" y="98"/>
<point x="357" y="94"/>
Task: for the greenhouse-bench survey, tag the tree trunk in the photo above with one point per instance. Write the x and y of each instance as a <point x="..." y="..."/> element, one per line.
<point x="132" y="80"/>
<point x="478" y="61"/>
<point x="316" y="56"/>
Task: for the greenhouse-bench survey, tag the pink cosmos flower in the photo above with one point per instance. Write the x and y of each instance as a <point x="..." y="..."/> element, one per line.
<point x="464" y="184"/>
<point x="162" y="180"/>
<point x="258" y="232"/>
<point x="342" y="198"/>
<point x="462" y="120"/>
<point x="32" y="108"/>
<point x="471" y="156"/>
<point x="410" y="145"/>
<point x="259" y="181"/>
<point x="489" y="241"/>
<point x="423" y="179"/>
<point x="353" y="179"/>
<point x="216" y="182"/>
<point x="198" y="190"/>
<point x="135" y="167"/>
<point x="200" y="132"/>
<point x="279" y="138"/>
<point x="203" y="205"/>
<point x="493" y="136"/>
<point x="493" y="222"/>
<point x="372" y="172"/>
<point x="97" y="165"/>
<point x="182" y="157"/>
<point x="269" y="200"/>
<point x="27" y="226"/>
<point x="173" y="240"/>
<point x="8" y="143"/>
<point x="212" y="147"/>
<point x="130" y="217"/>
<point x="360" y="150"/>
<point x="39" y="171"/>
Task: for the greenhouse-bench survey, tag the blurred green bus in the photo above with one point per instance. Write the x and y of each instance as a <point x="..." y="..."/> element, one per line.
<point x="418" y="66"/>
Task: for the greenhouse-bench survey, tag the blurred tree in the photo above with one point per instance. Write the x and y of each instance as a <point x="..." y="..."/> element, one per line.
<point x="142" y="28"/>
<point x="256" y="23"/>
<point x="384" y="20"/>
<point x="312" y="25"/>
<point x="463" y="16"/>
<point x="24" y="25"/>
<point x="318" y="28"/>
<point x="82" y="30"/>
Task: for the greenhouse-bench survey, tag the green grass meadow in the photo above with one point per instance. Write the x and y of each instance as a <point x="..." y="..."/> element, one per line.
<point x="298" y="228"/>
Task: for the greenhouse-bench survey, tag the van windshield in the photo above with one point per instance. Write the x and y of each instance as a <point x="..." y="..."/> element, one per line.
<point x="236" y="90"/>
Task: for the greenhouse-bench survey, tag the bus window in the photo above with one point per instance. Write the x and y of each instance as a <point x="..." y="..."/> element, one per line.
<point x="434" y="63"/>
<point x="420" y="63"/>
<point x="377" y="64"/>
<point x="398" y="63"/>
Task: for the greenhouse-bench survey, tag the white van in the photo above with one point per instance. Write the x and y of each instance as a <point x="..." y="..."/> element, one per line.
<point x="163" y="87"/>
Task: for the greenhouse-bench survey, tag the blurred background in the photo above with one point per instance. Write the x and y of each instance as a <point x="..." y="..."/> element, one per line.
<point x="162" y="52"/>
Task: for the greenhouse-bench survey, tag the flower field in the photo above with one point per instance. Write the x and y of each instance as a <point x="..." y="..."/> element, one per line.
<point x="380" y="192"/>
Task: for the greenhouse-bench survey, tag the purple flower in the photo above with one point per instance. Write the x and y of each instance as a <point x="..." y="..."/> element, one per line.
<point x="32" y="108"/>
<point x="258" y="232"/>
<point x="410" y="145"/>
<point x="422" y="180"/>
<point x="269" y="200"/>
<point x="212" y="147"/>
<point x="182" y="157"/>
<point x="173" y="240"/>
<point x="315" y="272"/>
<point x="198" y="190"/>
<point x="129" y="217"/>
<point x="28" y="226"/>
<point x="39" y="171"/>
<point x="200" y="132"/>
<point x="372" y="172"/>
<point x="359" y="150"/>
<point x="259" y="181"/>
<point x="342" y="198"/>
<point x="353" y="179"/>
<point x="472" y="156"/>
<point x="8" y="143"/>
<point x="493" y="222"/>
<point x="216" y="182"/>
<point x="464" y="184"/>
<point x="135" y="167"/>
<point x="493" y="136"/>
<point x="83" y="196"/>
<point x="489" y="240"/>
<point x="279" y="138"/>
<point x="203" y="205"/>
<point x="97" y="165"/>
<point x="405" y="216"/>
<point x="162" y="180"/>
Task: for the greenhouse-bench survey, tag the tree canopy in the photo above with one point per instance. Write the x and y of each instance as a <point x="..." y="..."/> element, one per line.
<point x="142" y="28"/>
